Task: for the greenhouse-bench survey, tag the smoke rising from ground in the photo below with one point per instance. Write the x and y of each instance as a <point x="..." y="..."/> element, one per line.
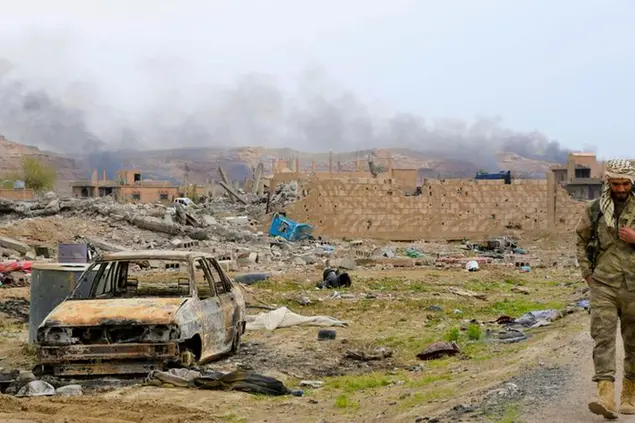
<point x="254" y="111"/>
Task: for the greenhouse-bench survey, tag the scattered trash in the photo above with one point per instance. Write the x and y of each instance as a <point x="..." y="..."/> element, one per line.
<point x="70" y="391"/>
<point x="471" y="266"/>
<point x="510" y="336"/>
<point x="303" y="300"/>
<point x="325" y="249"/>
<point x="434" y="308"/>
<point x="313" y="384"/>
<point x="36" y="388"/>
<point x="334" y="279"/>
<point x="387" y="252"/>
<point x="15" y="266"/>
<point x="237" y="380"/>
<point x="534" y="319"/>
<point x="283" y="317"/>
<point x="585" y="304"/>
<point x="326" y="334"/>
<point x="466" y="293"/>
<point x="8" y="378"/>
<point x="525" y="269"/>
<point x="379" y="354"/>
<point x="251" y="278"/>
<point x="439" y="350"/>
<point x="414" y="252"/>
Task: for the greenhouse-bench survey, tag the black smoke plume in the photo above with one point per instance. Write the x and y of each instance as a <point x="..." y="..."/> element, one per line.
<point x="254" y="112"/>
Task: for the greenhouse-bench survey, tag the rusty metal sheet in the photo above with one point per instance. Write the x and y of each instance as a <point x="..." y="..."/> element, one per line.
<point x="115" y="310"/>
<point x="108" y="368"/>
<point x="72" y="253"/>
<point x="49" y="354"/>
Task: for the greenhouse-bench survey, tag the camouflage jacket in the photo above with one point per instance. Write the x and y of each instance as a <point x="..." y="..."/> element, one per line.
<point x="615" y="261"/>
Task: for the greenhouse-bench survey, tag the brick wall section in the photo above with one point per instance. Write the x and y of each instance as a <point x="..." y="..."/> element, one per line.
<point x="450" y="209"/>
<point x="568" y="210"/>
<point x="17" y="194"/>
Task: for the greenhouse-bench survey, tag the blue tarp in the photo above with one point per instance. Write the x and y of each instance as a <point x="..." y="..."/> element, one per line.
<point x="289" y="229"/>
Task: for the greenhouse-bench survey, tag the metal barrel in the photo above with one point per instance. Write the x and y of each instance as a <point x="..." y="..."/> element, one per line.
<point x="51" y="283"/>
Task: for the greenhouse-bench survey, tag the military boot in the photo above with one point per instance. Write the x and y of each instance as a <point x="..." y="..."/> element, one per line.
<point x="627" y="400"/>
<point x="605" y="405"/>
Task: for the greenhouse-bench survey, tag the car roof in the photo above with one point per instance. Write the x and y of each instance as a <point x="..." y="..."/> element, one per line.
<point x="175" y="255"/>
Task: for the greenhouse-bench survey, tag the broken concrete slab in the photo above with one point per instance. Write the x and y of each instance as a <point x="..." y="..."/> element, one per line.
<point x="228" y="265"/>
<point x="209" y="220"/>
<point x="232" y="192"/>
<point x="238" y="220"/>
<point x="103" y="245"/>
<point x="342" y="263"/>
<point x="14" y="244"/>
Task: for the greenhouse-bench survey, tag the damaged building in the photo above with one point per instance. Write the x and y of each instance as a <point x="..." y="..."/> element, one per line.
<point x="581" y="176"/>
<point x="130" y="185"/>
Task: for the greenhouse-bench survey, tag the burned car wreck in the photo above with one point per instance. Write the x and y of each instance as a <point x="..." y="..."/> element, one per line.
<point x="133" y="312"/>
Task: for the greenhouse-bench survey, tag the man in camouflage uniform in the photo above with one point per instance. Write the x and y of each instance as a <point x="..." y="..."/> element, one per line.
<point x="606" y="253"/>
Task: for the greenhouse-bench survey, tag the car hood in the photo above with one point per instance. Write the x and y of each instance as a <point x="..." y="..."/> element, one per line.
<point x="133" y="311"/>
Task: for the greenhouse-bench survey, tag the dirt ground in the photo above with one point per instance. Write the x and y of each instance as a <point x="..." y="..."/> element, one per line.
<point x="399" y="310"/>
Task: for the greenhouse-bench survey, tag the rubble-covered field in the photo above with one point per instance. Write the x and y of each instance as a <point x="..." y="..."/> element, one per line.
<point x="425" y="340"/>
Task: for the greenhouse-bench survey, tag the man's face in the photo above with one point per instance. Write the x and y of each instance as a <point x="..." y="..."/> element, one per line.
<point x="620" y="188"/>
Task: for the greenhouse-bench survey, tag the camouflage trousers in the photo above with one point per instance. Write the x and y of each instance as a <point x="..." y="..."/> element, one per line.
<point x="608" y="305"/>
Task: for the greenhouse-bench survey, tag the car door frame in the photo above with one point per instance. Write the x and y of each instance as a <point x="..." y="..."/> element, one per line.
<point x="210" y="311"/>
<point x="228" y="303"/>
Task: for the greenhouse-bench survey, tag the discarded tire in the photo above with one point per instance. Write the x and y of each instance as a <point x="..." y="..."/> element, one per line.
<point x="326" y="334"/>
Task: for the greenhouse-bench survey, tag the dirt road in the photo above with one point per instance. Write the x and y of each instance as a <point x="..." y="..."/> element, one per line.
<point x="573" y="405"/>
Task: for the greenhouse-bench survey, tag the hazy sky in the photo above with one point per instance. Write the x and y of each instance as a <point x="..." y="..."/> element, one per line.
<point x="564" y="67"/>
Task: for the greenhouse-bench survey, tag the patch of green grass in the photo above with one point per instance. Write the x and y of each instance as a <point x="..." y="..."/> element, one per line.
<point x="283" y="285"/>
<point x="408" y="346"/>
<point x="422" y="398"/>
<point x="510" y="414"/>
<point x="233" y="418"/>
<point x="474" y="332"/>
<point x="515" y="281"/>
<point x="420" y="382"/>
<point x="452" y="334"/>
<point x="519" y="306"/>
<point x="479" y="286"/>
<point x="344" y="402"/>
<point x="395" y="284"/>
<point x="478" y="350"/>
<point x="419" y="287"/>
<point x="352" y="383"/>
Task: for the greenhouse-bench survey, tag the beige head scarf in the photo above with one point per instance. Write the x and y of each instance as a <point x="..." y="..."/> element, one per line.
<point x="615" y="169"/>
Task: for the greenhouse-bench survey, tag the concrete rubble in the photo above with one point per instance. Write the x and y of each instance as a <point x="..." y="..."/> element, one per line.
<point x="230" y="229"/>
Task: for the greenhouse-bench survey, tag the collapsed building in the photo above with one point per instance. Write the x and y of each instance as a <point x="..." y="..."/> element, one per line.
<point x="581" y="176"/>
<point x="129" y="186"/>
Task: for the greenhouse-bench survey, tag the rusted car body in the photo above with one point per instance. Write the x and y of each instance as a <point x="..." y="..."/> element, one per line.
<point x="123" y="325"/>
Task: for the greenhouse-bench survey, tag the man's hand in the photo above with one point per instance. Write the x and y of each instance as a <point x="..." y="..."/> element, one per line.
<point x="627" y="235"/>
<point x="589" y="279"/>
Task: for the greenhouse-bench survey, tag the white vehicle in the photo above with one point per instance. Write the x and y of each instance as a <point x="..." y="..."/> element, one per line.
<point x="184" y="201"/>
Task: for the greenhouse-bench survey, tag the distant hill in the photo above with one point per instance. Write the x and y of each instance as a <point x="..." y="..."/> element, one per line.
<point x="200" y="164"/>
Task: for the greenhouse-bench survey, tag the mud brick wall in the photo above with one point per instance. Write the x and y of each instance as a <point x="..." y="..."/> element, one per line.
<point x="447" y="209"/>
<point x="568" y="210"/>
